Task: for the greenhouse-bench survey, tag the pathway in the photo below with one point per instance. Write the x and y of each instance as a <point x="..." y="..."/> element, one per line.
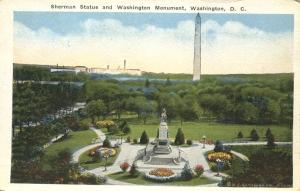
<point x="195" y="155"/>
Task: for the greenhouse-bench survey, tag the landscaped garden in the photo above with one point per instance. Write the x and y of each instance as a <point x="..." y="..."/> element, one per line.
<point x="92" y="158"/>
<point x="141" y="180"/>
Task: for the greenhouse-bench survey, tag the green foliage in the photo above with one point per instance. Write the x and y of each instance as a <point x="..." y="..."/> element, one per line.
<point x="253" y="135"/>
<point x="147" y="83"/>
<point x="135" y="141"/>
<point x="240" y="135"/>
<point x="219" y="146"/>
<point x="144" y="138"/>
<point x="270" y="141"/>
<point x="95" y="108"/>
<point x="179" y="138"/>
<point x="133" y="170"/>
<point x="187" y="172"/>
<point x="270" y="167"/>
<point x="268" y="133"/>
<point x="106" y="143"/>
<point x="189" y="142"/>
<point x="97" y="156"/>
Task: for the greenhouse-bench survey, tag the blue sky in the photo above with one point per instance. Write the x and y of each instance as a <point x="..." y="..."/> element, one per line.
<point x="156" y="42"/>
<point x="64" y="22"/>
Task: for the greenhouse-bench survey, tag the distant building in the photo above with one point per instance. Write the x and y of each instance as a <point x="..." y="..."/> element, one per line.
<point x="94" y="70"/>
<point x="81" y="69"/>
<point x="62" y="69"/>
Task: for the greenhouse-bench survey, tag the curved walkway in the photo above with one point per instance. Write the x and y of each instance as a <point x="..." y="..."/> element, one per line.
<point x="101" y="137"/>
<point x="195" y="153"/>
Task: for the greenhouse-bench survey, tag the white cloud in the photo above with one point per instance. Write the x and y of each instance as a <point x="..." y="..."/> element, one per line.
<point x="229" y="48"/>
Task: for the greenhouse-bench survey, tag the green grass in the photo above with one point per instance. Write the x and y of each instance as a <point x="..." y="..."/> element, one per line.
<point x="125" y="177"/>
<point x="74" y="141"/>
<point x="85" y="158"/>
<point x="248" y="150"/>
<point x="212" y="130"/>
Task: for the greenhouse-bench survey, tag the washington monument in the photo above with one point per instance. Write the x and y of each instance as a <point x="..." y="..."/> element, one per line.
<point x="197" y="49"/>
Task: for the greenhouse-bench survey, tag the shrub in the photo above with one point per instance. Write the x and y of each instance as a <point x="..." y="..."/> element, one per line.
<point x="114" y="130"/>
<point x="179" y="139"/>
<point x="240" y="135"/>
<point x="268" y="133"/>
<point x="89" y="178"/>
<point x="106" y="143"/>
<point x="254" y="136"/>
<point x="199" y="169"/>
<point x="108" y="124"/>
<point x="218" y="146"/>
<point x="126" y="129"/>
<point x="97" y="156"/>
<point x="128" y="140"/>
<point x="144" y="138"/>
<point x="270" y="141"/>
<point x="133" y="170"/>
<point x="84" y="125"/>
<point x="124" y="166"/>
<point x="189" y="142"/>
<point x="187" y="173"/>
<point x="135" y="141"/>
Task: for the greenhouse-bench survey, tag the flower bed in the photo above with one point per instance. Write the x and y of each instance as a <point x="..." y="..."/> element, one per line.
<point x="224" y="156"/>
<point x="161" y="175"/>
<point x="111" y="151"/>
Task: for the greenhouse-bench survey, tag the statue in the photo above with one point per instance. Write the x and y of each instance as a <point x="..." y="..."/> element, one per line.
<point x="163" y="116"/>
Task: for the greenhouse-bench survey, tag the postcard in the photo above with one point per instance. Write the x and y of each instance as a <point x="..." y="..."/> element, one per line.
<point x="136" y="94"/>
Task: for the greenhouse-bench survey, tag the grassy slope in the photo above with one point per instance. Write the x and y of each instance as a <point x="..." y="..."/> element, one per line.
<point x="74" y="141"/>
<point x="125" y="177"/>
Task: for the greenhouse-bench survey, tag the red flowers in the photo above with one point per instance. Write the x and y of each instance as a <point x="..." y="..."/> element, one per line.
<point x="199" y="169"/>
<point x="124" y="166"/>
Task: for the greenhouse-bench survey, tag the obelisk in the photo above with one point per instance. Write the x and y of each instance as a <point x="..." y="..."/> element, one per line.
<point x="197" y="49"/>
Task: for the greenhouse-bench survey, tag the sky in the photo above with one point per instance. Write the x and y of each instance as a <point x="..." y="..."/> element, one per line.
<point x="156" y="42"/>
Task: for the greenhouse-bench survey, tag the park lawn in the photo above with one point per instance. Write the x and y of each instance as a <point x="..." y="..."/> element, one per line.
<point x="248" y="150"/>
<point x="85" y="160"/>
<point x="213" y="131"/>
<point x="74" y="141"/>
<point x="140" y="180"/>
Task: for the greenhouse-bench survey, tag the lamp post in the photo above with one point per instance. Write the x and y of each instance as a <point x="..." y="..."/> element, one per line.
<point x="204" y="141"/>
<point x="219" y="161"/>
<point x="106" y="155"/>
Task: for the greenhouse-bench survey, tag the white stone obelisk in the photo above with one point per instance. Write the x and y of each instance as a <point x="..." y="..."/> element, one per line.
<point x="197" y="49"/>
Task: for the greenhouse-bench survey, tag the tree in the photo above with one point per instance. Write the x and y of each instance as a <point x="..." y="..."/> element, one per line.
<point x="268" y="133"/>
<point x="253" y="135"/>
<point x="133" y="170"/>
<point x="95" y="109"/>
<point x="126" y="129"/>
<point x="270" y="141"/>
<point x="240" y="135"/>
<point x="187" y="172"/>
<point x="106" y="143"/>
<point x="147" y="83"/>
<point x="219" y="146"/>
<point x="144" y="138"/>
<point x="168" y="81"/>
<point x="179" y="138"/>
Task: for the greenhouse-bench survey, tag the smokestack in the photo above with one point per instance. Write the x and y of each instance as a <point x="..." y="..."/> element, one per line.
<point x="124" y="64"/>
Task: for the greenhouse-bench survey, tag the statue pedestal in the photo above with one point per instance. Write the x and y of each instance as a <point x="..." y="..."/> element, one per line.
<point x="162" y="147"/>
<point x="162" y="143"/>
